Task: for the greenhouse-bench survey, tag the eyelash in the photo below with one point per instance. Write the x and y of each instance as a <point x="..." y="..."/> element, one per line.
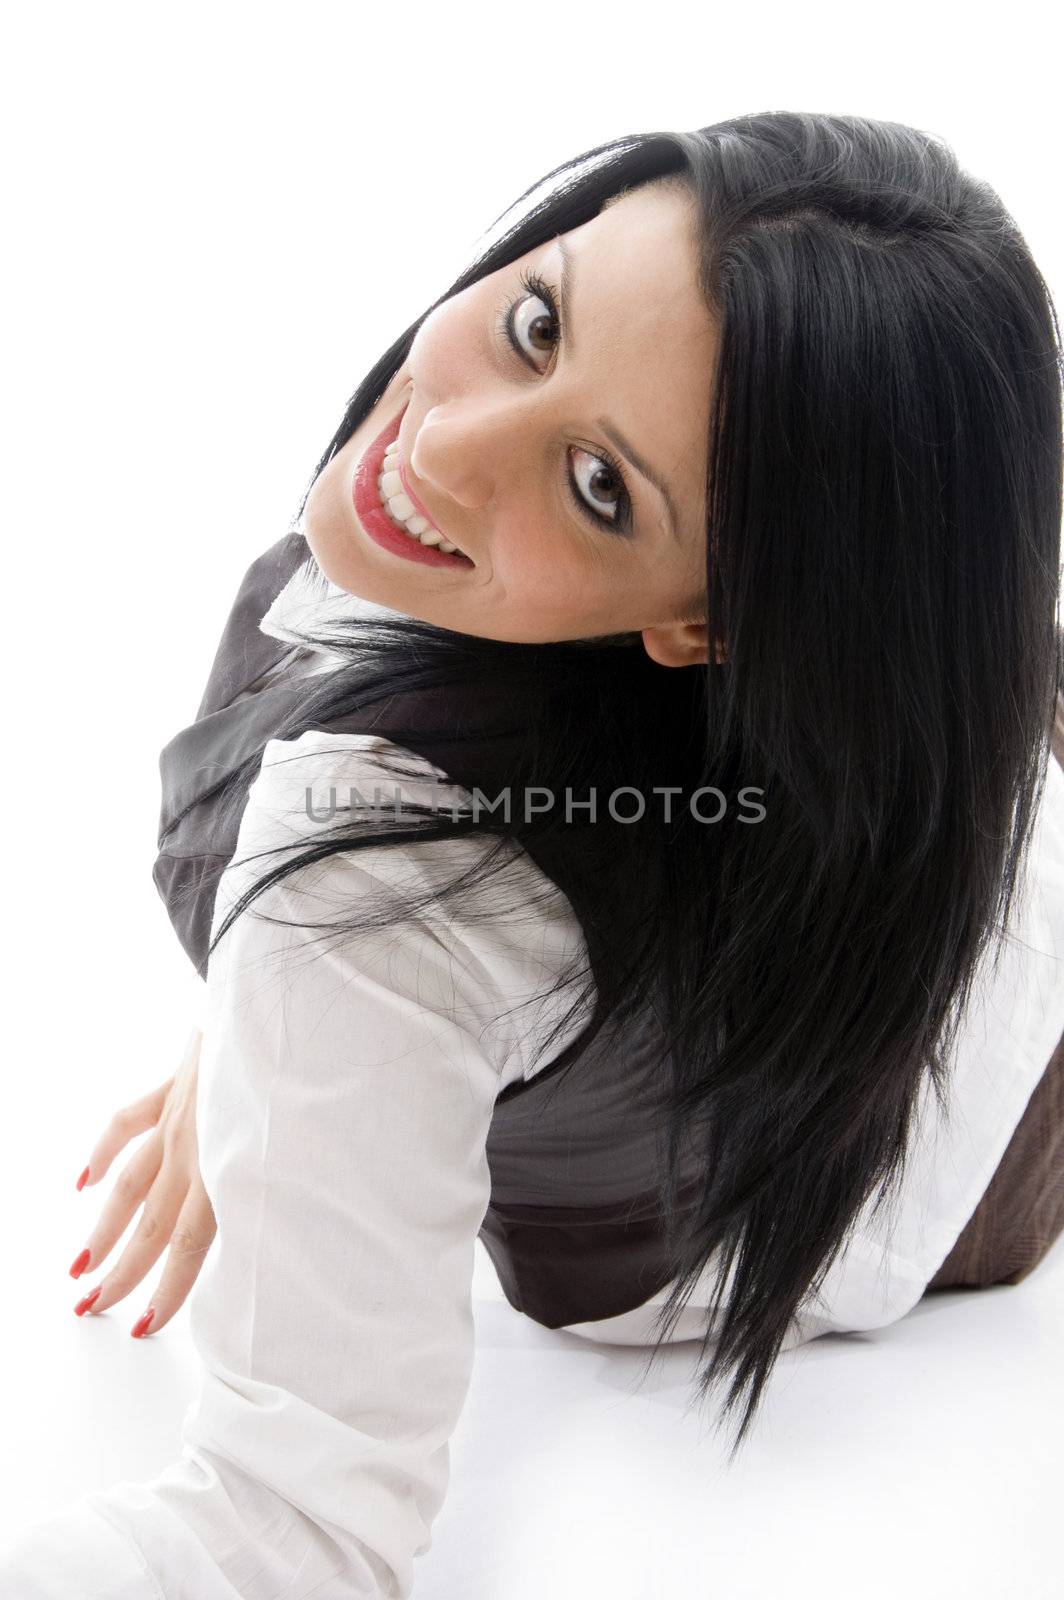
<point x="533" y="285"/>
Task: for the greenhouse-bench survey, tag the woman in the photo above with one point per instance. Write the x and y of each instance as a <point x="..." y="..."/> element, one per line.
<point x="739" y="459"/>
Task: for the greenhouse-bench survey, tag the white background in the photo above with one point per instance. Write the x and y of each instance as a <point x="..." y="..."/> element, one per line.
<point x="216" y="219"/>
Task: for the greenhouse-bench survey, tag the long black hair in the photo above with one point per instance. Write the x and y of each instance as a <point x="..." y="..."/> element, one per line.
<point x="884" y="493"/>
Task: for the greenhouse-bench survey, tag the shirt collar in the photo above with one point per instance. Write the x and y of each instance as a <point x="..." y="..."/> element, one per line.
<point x="310" y="599"/>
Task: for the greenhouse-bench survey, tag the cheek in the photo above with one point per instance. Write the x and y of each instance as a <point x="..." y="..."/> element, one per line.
<point x="548" y="572"/>
<point x="326" y="517"/>
<point x="449" y="350"/>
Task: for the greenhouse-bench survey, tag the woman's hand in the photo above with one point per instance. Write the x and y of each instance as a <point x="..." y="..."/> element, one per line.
<point x="164" y="1176"/>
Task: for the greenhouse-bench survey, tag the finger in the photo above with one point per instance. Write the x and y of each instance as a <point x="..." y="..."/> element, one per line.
<point x="152" y="1234"/>
<point x="192" y="1238"/>
<point x="134" y="1119"/>
<point x="135" y="1184"/>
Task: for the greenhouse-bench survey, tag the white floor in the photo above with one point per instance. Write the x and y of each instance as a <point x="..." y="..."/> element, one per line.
<point x="924" y="1460"/>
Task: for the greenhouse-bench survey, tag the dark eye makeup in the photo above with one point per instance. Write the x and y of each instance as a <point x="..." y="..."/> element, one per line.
<point x="533" y="286"/>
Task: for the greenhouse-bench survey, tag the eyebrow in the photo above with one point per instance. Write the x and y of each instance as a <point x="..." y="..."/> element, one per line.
<point x="615" y="437"/>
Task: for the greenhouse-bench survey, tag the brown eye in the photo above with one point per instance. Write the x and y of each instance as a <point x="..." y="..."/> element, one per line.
<point x="601" y="480"/>
<point x="526" y="323"/>
<point x="521" y="322"/>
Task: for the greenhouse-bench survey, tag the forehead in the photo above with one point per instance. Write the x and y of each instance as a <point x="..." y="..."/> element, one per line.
<point x="647" y="239"/>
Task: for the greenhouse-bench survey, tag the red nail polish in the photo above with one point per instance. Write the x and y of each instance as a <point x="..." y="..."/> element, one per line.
<point x="140" y="1328"/>
<point x="90" y="1299"/>
<point x="80" y="1264"/>
<point x="83" y="1180"/>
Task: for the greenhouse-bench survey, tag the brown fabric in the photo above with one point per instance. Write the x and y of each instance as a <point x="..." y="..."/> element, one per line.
<point x="556" y="1262"/>
<point x="1021" y="1213"/>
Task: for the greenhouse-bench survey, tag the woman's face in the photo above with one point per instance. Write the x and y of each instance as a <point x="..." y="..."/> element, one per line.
<point x="509" y="453"/>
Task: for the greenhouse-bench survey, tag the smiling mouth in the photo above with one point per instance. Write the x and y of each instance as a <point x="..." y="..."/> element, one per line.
<point x="405" y="510"/>
<point x="377" y="512"/>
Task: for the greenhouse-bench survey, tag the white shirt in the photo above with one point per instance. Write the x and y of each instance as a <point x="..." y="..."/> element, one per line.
<point x="345" y="1096"/>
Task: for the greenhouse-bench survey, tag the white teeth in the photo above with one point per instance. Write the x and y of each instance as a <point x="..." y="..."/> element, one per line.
<point x="400" y="507"/>
<point x="398" y="503"/>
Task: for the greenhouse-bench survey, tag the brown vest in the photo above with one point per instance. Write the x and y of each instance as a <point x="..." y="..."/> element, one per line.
<point x="574" y="1224"/>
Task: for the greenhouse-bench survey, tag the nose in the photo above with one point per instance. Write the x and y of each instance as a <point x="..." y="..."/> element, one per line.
<point x="460" y="454"/>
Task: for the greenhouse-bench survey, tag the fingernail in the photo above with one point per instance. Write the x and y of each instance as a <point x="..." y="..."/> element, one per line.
<point x="140" y="1328"/>
<point x="80" y="1264"/>
<point x="83" y="1180"/>
<point x="90" y="1299"/>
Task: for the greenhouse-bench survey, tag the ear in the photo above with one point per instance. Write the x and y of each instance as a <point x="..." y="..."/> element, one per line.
<point x="680" y="644"/>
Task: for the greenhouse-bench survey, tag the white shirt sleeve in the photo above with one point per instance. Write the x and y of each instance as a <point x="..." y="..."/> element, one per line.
<point x="345" y="1094"/>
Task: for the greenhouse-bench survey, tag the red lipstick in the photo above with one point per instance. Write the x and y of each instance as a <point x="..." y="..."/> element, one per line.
<point x="376" y="521"/>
